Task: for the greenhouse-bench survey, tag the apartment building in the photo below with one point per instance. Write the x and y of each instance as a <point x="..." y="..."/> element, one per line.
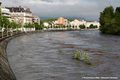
<point x="5" y="12"/>
<point x="21" y="15"/>
<point x="61" y="21"/>
<point x="77" y="23"/>
<point x="95" y="23"/>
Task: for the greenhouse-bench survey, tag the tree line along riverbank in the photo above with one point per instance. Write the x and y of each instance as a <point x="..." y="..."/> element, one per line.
<point x="110" y="21"/>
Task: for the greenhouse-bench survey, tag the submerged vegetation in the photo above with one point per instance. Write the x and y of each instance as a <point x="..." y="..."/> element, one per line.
<point x="82" y="56"/>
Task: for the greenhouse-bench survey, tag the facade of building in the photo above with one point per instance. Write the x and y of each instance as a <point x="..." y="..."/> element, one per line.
<point x="46" y="24"/>
<point x="95" y="23"/>
<point x="21" y="15"/>
<point x="77" y="23"/>
<point x="61" y="21"/>
<point x="36" y="19"/>
<point x="5" y="12"/>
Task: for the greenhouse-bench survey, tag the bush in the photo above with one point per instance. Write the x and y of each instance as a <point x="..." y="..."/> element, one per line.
<point x="82" y="26"/>
<point x="82" y="56"/>
<point x="93" y="26"/>
<point x="77" y="55"/>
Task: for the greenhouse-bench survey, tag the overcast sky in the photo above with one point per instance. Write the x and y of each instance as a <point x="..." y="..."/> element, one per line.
<point x="87" y="9"/>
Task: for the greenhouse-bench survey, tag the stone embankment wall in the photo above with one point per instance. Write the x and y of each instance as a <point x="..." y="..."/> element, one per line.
<point x="6" y="72"/>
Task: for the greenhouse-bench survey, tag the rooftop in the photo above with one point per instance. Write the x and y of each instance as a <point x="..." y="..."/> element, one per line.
<point x="19" y="9"/>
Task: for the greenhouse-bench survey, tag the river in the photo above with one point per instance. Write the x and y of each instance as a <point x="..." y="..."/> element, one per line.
<point x="48" y="55"/>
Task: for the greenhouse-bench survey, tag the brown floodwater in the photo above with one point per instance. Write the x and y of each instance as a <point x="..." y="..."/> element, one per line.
<point x="49" y="55"/>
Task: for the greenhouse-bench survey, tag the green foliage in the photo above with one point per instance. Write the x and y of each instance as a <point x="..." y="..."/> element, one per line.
<point x="69" y="27"/>
<point x="34" y="25"/>
<point x="38" y="26"/>
<point x="86" y="58"/>
<point x="110" y="21"/>
<point x="83" y="56"/>
<point x="77" y="55"/>
<point x="0" y="10"/>
<point x="28" y="25"/>
<point x="4" y="22"/>
<point x="93" y="26"/>
<point x="14" y="25"/>
<point x="49" y="20"/>
<point x="82" y="26"/>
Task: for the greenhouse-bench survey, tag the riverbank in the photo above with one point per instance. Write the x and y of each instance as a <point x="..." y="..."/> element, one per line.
<point x="6" y="72"/>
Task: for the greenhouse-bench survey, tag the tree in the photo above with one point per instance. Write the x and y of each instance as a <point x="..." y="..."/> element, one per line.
<point x="110" y="21"/>
<point x="93" y="26"/>
<point x="15" y="26"/>
<point x="115" y="29"/>
<point x="28" y="25"/>
<point x="82" y="26"/>
<point x="4" y="23"/>
<point x="117" y="15"/>
<point x="106" y="17"/>
<point x="38" y="26"/>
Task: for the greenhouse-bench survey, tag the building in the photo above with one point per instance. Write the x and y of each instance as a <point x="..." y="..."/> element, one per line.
<point x="46" y="24"/>
<point x="5" y="12"/>
<point x="95" y="23"/>
<point x="21" y="15"/>
<point x="36" y="19"/>
<point x="77" y="23"/>
<point x="61" y="21"/>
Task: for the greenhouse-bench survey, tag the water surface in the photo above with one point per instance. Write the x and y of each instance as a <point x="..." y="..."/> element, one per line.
<point x="48" y="55"/>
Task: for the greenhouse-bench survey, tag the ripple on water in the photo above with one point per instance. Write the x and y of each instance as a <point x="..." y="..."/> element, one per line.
<point x="48" y="56"/>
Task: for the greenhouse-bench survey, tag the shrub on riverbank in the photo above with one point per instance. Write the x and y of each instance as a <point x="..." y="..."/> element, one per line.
<point x="92" y="26"/>
<point x="82" y="56"/>
<point x="110" y="21"/>
<point x="82" y="26"/>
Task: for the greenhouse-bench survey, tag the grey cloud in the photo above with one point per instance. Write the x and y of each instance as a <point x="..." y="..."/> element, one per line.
<point x="88" y="9"/>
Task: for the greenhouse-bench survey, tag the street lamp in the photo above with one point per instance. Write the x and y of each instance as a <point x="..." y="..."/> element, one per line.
<point x="0" y="9"/>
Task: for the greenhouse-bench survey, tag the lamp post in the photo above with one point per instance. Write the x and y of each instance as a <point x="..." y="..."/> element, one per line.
<point x="0" y="8"/>
<point x="0" y="18"/>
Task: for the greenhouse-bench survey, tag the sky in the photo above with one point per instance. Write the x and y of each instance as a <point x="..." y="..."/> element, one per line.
<point x="84" y="9"/>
